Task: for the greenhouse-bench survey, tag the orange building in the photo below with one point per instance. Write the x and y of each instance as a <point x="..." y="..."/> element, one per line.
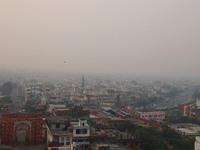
<point x="29" y="122"/>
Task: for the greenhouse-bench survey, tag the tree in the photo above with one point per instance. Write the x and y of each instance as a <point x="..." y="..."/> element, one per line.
<point x="127" y="126"/>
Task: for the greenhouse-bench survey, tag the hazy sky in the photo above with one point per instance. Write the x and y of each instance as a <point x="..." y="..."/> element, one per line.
<point x="149" y="37"/>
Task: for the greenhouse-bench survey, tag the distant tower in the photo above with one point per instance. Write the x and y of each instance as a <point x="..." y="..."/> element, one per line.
<point x="83" y="84"/>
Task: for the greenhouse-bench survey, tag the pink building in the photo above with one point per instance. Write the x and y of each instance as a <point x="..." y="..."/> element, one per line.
<point x="156" y="115"/>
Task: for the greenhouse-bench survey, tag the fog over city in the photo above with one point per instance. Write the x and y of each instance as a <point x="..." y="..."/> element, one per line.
<point x="158" y="37"/>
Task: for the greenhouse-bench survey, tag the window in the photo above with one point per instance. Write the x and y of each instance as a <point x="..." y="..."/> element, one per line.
<point x="81" y="131"/>
<point x="78" y="131"/>
<point x="84" y="131"/>
<point x="68" y="139"/>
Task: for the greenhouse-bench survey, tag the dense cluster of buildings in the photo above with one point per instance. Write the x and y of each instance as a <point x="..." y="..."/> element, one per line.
<point x="191" y="110"/>
<point x="82" y="116"/>
<point x="69" y="120"/>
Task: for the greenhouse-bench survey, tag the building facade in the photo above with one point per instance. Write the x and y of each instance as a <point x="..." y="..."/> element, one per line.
<point x="150" y="115"/>
<point x="81" y="134"/>
<point x="58" y="132"/>
<point x="30" y="123"/>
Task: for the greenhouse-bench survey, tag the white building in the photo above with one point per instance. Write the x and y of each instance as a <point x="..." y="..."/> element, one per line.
<point x="81" y="133"/>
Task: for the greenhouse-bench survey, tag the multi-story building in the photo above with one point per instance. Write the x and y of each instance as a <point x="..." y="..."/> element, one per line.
<point x="65" y="135"/>
<point x="77" y="112"/>
<point x="149" y="115"/>
<point x="132" y="141"/>
<point x="81" y="133"/>
<point x="189" y="111"/>
<point x="59" y="132"/>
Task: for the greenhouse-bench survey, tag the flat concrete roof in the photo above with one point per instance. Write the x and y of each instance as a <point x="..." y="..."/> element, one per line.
<point x="112" y="146"/>
<point x="186" y="130"/>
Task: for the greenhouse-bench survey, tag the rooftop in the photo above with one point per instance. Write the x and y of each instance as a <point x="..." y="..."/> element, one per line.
<point x="112" y="146"/>
<point x="186" y="130"/>
<point x="56" y="119"/>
